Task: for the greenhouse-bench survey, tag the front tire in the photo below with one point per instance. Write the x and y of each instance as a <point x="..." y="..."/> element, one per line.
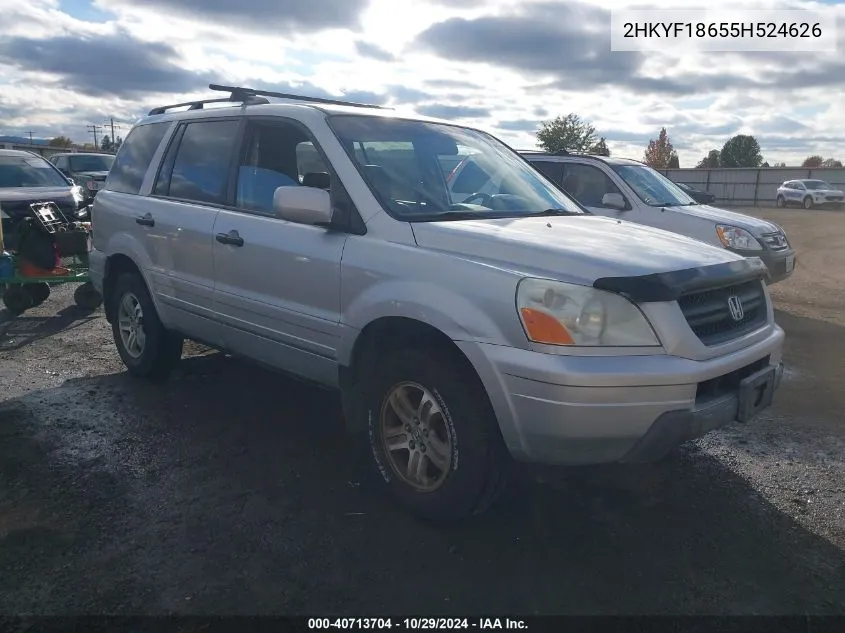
<point x="808" y="203"/>
<point x="780" y="203"/>
<point x="145" y="346"/>
<point x="434" y="436"/>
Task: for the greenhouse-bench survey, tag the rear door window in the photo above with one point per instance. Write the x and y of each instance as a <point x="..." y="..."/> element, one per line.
<point x="200" y="167"/>
<point x="551" y="170"/>
<point x="133" y="159"/>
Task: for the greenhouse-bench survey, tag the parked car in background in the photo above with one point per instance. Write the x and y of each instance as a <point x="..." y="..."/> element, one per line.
<point x="704" y="197"/>
<point x="630" y="190"/>
<point x="461" y="330"/>
<point x="809" y="193"/>
<point x="26" y="178"/>
<point x="89" y="171"/>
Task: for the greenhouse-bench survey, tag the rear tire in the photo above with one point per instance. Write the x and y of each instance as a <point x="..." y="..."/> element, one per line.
<point x="808" y="203"/>
<point x="446" y="459"/>
<point x="87" y="297"/>
<point x="39" y="292"/>
<point x="145" y="346"/>
<point x="780" y="203"/>
<point x="16" y="299"/>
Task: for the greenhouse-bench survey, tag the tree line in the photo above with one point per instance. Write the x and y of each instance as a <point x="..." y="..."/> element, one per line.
<point x="106" y="143"/>
<point x="571" y="133"/>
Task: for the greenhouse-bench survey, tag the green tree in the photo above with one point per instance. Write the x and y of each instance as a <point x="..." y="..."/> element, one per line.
<point x="812" y="162"/>
<point x="741" y="150"/>
<point x="567" y="133"/>
<point x="118" y="141"/>
<point x="674" y="163"/>
<point x="711" y="161"/>
<point x="779" y="165"/>
<point x="660" y="152"/>
<point x="106" y="144"/>
<point x="60" y="141"/>
<point x="831" y="162"/>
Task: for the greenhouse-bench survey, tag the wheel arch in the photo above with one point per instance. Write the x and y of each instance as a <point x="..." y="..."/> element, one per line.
<point x="378" y="336"/>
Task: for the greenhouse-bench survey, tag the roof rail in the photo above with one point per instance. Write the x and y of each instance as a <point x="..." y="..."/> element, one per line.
<point x="198" y="105"/>
<point x="239" y="94"/>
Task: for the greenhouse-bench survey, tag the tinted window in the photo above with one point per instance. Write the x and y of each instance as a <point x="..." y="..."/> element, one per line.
<point x="133" y="158"/>
<point x="817" y="184"/>
<point x="471" y="178"/>
<point x="29" y="171"/>
<point x="551" y="170"/>
<point x="201" y="166"/>
<point x="587" y="184"/>
<point x="90" y="162"/>
<point x="276" y="155"/>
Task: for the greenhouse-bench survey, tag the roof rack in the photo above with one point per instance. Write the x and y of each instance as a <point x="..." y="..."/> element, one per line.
<point x="250" y="96"/>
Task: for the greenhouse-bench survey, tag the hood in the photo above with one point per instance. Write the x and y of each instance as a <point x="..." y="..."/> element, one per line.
<point x="828" y="192"/>
<point x="755" y="226"/>
<point x="13" y="200"/>
<point x="580" y="249"/>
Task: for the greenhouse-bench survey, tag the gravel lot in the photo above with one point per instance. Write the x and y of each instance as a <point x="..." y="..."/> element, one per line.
<point x="232" y="490"/>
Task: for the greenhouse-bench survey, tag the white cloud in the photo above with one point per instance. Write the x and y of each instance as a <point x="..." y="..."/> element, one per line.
<point x="701" y="99"/>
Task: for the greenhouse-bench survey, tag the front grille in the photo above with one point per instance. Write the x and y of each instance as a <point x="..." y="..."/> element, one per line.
<point x="775" y="241"/>
<point x="711" y="318"/>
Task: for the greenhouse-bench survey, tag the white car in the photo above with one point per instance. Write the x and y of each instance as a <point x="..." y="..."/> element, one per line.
<point x="809" y="194"/>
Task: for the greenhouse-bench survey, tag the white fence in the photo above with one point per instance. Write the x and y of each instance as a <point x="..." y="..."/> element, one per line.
<point x="749" y="186"/>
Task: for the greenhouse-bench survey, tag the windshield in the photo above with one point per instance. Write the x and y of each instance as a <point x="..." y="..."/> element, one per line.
<point x="29" y="171"/>
<point x="817" y="184"/>
<point x="652" y="187"/>
<point x="407" y="165"/>
<point x="91" y="163"/>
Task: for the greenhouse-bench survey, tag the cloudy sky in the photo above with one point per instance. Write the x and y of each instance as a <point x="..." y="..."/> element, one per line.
<point x="501" y="65"/>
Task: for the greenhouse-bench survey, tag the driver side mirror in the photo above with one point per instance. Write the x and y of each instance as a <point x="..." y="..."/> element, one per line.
<point x="303" y="205"/>
<point x="613" y="201"/>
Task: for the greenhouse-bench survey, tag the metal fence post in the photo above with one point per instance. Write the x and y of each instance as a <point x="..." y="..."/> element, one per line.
<point x="757" y="186"/>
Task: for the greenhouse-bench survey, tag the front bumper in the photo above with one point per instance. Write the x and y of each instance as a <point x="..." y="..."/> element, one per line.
<point x="781" y="264"/>
<point x="571" y="410"/>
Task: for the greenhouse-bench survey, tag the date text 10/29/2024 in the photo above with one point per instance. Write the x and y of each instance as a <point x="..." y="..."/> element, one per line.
<point x="418" y="624"/>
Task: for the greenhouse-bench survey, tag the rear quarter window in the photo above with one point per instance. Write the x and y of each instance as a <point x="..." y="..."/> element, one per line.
<point x="134" y="157"/>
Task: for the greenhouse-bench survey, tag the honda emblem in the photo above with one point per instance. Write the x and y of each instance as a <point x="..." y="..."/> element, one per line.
<point x="735" y="306"/>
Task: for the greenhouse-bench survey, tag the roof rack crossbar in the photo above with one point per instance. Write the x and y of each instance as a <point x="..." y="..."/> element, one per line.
<point x="198" y="105"/>
<point x="239" y="93"/>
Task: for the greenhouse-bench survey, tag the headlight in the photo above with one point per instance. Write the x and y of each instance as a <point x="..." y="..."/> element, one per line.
<point x="557" y="313"/>
<point x="737" y="238"/>
<point x="76" y="192"/>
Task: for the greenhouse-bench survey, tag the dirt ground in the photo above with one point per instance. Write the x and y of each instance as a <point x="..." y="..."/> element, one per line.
<point x="232" y="490"/>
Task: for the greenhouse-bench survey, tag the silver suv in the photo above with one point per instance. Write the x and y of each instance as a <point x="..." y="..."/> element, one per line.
<point x="809" y="193"/>
<point x="321" y="239"/>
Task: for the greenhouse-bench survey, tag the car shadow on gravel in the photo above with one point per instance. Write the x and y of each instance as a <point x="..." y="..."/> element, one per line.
<point x="22" y="330"/>
<point x="232" y="489"/>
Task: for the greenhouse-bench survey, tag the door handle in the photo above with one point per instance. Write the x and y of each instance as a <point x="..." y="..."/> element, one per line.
<point x="232" y="238"/>
<point x="145" y="220"/>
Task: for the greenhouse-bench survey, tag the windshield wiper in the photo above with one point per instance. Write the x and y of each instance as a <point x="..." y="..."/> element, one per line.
<point x="553" y="211"/>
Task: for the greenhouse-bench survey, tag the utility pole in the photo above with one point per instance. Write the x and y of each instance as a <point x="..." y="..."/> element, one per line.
<point x="93" y="129"/>
<point x="30" y="137"/>
<point x="113" y="128"/>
